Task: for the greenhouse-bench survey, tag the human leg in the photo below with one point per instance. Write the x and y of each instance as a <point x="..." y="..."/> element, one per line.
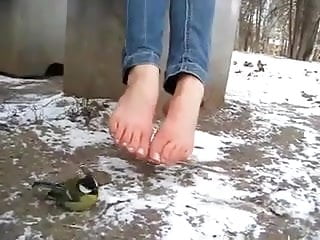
<point x="187" y="69"/>
<point x="131" y="122"/>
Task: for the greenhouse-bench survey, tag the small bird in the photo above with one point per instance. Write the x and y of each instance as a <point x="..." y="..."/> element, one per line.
<point x="75" y="194"/>
<point x="260" y="66"/>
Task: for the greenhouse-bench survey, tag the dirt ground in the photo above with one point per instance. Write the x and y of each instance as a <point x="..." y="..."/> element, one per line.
<point x="33" y="147"/>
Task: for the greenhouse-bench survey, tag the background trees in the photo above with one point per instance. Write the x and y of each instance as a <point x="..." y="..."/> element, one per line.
<point x="280" y="27"/>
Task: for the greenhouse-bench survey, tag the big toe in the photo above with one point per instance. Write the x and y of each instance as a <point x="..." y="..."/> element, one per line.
<point x="179" y="154"/>
<point x="168" y="152"/>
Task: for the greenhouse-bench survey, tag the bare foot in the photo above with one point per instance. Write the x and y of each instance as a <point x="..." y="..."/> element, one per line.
<point x="131" y="122"/>
<point x="174" y="141"/>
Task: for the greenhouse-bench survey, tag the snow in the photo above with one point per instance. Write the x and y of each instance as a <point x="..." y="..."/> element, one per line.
<point x="204" y="142"/>
<point x="283" y="81"/>
<point x="7" y="217"/>
<point x="29" y="233"/>
<point x="199" y="201"/>
<point x="208" y="202"/>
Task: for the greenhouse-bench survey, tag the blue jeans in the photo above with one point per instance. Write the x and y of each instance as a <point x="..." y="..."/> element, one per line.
<point x="190" y="37"/>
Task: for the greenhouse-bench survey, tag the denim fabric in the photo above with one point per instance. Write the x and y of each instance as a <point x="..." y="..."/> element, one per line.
<point x="190" y="37"/>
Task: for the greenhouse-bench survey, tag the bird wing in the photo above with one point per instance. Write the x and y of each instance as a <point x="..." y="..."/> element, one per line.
<point x="73" y="191"/>
<point x="60" y="194"/>
<point x="55" y="191"/>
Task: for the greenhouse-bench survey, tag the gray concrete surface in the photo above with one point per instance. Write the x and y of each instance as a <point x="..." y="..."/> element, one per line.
<point x="253" y="176"/>
<point x="94" y="39"/>
<point x="32" y="35"/>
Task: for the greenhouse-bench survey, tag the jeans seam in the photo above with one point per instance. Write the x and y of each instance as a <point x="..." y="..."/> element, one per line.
<point x="134" y="58"/>
<point x="143" y="52"/>
<point x="189" y="67"/>
<point x="186" y="44"/>
<point x="190" y="15"/>
<point x="145" y="21"/>
<point x="171" y="74"/>
<point x="127" y="23"/>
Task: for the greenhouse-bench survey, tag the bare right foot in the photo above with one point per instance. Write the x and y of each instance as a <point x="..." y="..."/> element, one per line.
<point x="174" y="141"/>
<point x="131" y="122"/>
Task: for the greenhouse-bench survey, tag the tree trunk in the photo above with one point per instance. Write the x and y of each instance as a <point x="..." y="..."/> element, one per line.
<point x="248" y="36"/>
<point x="297" y="28"/>
<point x="289" y="53"/>
<point x="259" y="22"/>
<point x="310" y="27"/>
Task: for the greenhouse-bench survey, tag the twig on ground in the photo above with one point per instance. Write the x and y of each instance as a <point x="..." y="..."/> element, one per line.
<point x="73" y="226"/>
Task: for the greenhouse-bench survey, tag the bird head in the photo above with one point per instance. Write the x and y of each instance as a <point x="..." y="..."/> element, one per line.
<point x="88" y="185"/>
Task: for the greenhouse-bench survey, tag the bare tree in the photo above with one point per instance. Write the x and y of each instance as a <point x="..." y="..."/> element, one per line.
<point x="310" y="25"/>
<point x="292" y="23"/>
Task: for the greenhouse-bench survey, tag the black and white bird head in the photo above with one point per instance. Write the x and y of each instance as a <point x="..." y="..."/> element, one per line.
<point x="88" y="185"/>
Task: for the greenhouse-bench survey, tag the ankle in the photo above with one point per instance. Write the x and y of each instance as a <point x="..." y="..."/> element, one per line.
<point x="143" y="73"/>
<point x="188" y="85"/>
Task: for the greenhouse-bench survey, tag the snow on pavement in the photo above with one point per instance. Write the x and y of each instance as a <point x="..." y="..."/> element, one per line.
<point x="271" y="155"/>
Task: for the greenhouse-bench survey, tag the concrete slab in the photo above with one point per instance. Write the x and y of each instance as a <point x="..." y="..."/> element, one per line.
<point x="32" y="35"/>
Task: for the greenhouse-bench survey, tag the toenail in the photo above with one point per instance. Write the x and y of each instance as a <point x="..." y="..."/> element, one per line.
<point x="140" y="151"/>
<point x="156" y="157"/>
<point x="131" y="149"/>
<point x="124" y="144"/>
<point x="117" y="140"/>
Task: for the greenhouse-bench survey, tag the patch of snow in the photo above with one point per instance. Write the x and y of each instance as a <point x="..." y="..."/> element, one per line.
<point x="8" y="218"/>
<point x="30" y="233"/>
<point x="57" y="130"/>
<point x="72" y="138"/>
<point x="13" y="196"/>
<point x="15" y="161"/>
<point x="293" y="203"/>
<point x="24" y="86"/>
<point x="32" y="220"/>
<point x="19" y="81"/>
<point x="205" y="142"/>
<point x="206" y="207"/>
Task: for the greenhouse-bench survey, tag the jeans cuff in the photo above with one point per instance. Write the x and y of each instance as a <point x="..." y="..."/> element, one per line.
<point x="145" y="57"/>
<point x="172" y="74"/>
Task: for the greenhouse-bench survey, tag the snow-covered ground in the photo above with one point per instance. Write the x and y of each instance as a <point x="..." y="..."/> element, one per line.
<point x="254" y="175"/>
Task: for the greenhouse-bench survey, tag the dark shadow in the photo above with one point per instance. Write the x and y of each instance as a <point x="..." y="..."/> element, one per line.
<point x="53" y="70"/>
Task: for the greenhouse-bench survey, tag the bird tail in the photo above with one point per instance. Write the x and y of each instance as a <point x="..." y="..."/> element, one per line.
<point x="47" y="185"/>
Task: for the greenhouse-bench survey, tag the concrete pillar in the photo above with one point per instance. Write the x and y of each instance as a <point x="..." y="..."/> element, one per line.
<point x="32" y="35"/>
<point x="94" y="40"/>
<point x="224" y="35"/>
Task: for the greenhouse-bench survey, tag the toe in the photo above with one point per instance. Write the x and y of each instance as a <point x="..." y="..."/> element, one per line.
<point x="156" y="148"/>
<point x="179" y="154"/>
<point x="143" y="148"/>
<point x="135" y="141"/>
<point x="113" y="126"/>
<point x="168" y="153"/>
<point x="119" y="132"/>
<point x="126" y="137"/>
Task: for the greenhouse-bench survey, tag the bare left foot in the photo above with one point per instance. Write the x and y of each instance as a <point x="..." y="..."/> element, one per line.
<point x="174" y="141"/>
<point x="131" y="122"/>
